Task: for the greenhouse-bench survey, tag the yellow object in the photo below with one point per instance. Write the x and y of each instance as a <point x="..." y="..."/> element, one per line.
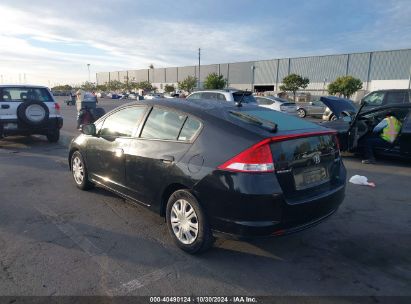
<point x="390" y="132"/>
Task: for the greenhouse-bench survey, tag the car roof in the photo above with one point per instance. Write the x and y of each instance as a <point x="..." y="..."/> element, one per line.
<point x="22" y="86"/>
<point x="211" y="110"/>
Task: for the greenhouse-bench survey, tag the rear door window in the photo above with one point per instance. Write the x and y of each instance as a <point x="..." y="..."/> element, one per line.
<point x="209" y="95"/>
<point x="195" y="96"/>
<point x="163" y="124"/>
<point x="395" y="97"/>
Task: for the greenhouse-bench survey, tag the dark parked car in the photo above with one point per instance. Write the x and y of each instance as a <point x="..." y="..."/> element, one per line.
<point x="385" y="97"/>
<point x="213" y="168"/>
<point x="353" y="130"/>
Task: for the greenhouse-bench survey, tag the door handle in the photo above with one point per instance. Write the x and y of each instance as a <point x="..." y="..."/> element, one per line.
<point x="6" y="106"/>
<point x="119" y="152"/>
<point x="167" y="159"/>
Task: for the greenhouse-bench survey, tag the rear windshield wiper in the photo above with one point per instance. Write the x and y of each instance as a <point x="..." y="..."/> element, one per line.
<point x="265" y="124"/>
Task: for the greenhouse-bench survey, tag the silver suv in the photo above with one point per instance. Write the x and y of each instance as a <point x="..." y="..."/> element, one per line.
<point x="28" y="109"/>
<point x="224" y="95"/>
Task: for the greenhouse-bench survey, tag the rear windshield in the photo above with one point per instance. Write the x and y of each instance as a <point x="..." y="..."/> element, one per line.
<point x="284" y="122"/>
<point x="248" y="97"/>
<point x="21" y="94"/>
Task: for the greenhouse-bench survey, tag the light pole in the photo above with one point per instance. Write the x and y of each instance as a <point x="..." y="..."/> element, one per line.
<point x="88" y="68"/>
<point x="199" y="67"/>
<point x="252" y="78"/>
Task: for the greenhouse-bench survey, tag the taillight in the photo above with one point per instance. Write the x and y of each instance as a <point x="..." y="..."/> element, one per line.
<point x="57" y="107"/>
<point x="257" y="158"/>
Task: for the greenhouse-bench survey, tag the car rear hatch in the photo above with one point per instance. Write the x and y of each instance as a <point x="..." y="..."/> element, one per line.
<point x="339" y="105"/>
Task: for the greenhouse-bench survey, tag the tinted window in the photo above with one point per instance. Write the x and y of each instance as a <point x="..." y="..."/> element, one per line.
<point x="395" y="97"/>
<point x="248" y="98"/>
<point x="374" y="99"/>
<point x="284" y="122"/>
<point x="163" y="124"/>
<point x="209" y="95"/>
<point x="194" y="96"/>
<point x="264" y="101"/>
<point x="122" y="123"/>
<point x="19" y="94"/>
<point x="190" y="128"/>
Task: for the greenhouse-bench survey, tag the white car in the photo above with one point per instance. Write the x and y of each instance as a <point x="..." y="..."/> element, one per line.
<point x="231" y="95"/>
<point x="152" y="96"/>
<point x="277" y="104"/>
<point x="27" y="109"/>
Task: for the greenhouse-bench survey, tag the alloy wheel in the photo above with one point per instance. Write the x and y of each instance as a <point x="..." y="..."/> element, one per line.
<point x="78" y="170"/>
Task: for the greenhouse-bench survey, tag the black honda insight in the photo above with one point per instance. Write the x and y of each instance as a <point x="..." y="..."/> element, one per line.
<point x="212" y="168"/>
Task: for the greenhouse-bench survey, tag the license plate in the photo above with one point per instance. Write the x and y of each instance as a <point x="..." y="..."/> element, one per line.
<point x="310" y="178"/>
<point x="10" y="126"/>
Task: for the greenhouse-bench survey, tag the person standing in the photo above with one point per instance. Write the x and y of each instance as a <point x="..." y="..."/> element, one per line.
<point x="384" y="135"/>
<point x="79" y="105"/>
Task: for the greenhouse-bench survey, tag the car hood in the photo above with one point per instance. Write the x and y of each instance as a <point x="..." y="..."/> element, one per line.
<point x="338" y="105"/>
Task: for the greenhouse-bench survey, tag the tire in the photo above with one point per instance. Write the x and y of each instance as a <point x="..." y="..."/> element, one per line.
<point x="53" y="136"/>
<point x="189" y="240"/>
<point x="80" y="179"/>
<point x="302" y="113"/>
<point x="24" y="118"/>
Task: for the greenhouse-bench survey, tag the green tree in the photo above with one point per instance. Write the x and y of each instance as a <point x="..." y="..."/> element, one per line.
<point x="169" y="88"/>
<point x="101" y="88"/>
<point x="144" y="85"/>
<point x="188" y="84"/>
<point x="64" y="87"/>
<point x="345" y="86"/>
<point x="114" y="85"/>
<point x="88" y="86"/>
<point x="215" y="81"/>
<point x="293" y="83"/>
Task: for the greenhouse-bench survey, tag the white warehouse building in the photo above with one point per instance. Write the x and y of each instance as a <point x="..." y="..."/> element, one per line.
<point x="377" y="70"/>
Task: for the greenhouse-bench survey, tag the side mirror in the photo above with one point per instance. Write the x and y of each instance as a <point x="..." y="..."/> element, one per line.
<point x="89" y="129"/>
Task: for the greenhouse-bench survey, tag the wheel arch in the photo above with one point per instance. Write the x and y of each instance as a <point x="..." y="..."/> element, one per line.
<point x="168" y="191"/>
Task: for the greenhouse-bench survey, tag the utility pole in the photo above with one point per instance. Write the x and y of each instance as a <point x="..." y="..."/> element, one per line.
<point x="88" y="68"/>
<point x="199" y="67"/>
<point x="409" y="86"/>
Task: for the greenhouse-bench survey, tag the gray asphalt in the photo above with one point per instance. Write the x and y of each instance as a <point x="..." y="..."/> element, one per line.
<point x="58" y="240"/>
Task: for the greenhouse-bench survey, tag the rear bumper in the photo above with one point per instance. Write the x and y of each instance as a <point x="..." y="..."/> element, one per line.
<point x="23" y="129"/>
<point x="243" y="208"/>
<point x="295" y="218"/>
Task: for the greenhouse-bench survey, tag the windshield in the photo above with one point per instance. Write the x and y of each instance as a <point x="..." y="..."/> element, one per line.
<point x="21" y="94"/>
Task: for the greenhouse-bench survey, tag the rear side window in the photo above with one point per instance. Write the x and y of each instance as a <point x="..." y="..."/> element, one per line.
<point x="190" y="129"/>
<point x="395" y="97"/>
<point x="122" y="123"/>
<point x="163" y="124"/>
<point x="21" y="94"/>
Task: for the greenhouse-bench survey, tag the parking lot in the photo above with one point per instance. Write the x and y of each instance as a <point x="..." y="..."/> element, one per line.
<point x="57" y="240"/>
